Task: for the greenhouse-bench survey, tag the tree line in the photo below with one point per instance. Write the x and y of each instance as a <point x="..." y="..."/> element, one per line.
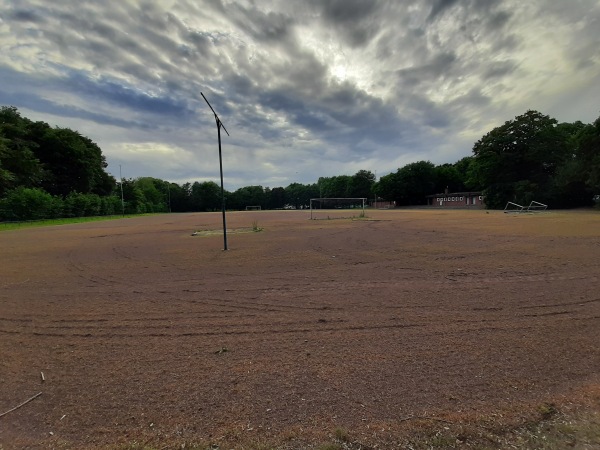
<point x="50" y="172"/>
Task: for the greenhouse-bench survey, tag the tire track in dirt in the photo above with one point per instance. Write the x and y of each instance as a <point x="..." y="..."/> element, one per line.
<point x="86" y="272"/>
<point x="267" y="331"/>
<point x="579" y="303"/>
<point x="94" y="329"/>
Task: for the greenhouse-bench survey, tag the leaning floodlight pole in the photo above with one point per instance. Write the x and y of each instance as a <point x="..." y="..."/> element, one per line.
<point x="219" y="126"/>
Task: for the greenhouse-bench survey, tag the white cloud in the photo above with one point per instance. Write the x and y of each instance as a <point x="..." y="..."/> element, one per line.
<point x="306" y="89"/>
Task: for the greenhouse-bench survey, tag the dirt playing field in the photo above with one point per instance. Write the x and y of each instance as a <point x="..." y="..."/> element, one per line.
<point x="308" y="330"/>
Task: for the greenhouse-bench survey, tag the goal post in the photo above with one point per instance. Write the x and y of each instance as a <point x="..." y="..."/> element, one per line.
<point x="533" y="207"/>
<point x="253" y="208"/>
<point x="338" y="207"/>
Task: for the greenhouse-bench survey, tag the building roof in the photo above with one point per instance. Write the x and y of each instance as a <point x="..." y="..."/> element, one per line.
<point x="454" y="194"/>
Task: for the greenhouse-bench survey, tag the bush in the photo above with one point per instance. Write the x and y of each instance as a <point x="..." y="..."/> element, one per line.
<point x="94" y="205"/>
<point x="75" y="205"/>
<point x="110" y="205"/>
<point x="82" y="205"/>
<point x="29" y="204"/>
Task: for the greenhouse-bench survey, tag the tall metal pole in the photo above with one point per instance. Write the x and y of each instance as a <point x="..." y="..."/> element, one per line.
<point x="219" y="126"/>
<point x="122" y="200"/>
<point x="375" y="195"/>
<point x="169" y="192"/>
<point x="222" y="189"/>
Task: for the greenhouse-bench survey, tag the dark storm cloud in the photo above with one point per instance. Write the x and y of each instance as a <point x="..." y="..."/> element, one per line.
<point x="474" y="98"/>
<point x="123" y="95"/>
<point x="305" y="74"/>
<point x="44" y="106"/>
<point x="437" y="66"/>
<point x="240" y="85"/>
<point x="425" y="112"/>
<point x="356" y="20"/>
<point x="296" y="109"/>
<point x="347" y="12"/>
<point x="261" y="26"/>
<point x="201" y="42"/>
<point x="249" y="117"/>
<point x="498" y="20"/>
<point x="32" y="101"/>
<point x="439" y="7"/>
<point x="499" y="69"/>
<point x="150" y="53"/>
<point x="23" y="15"/>
<point x="109" y="91"/>
<point x="355" y="108"/>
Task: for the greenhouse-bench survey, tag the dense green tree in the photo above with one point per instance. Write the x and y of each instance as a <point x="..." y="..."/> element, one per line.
<point x="275" y="198"/>
<point x="361" y="184"/>
<point x="19" y="166"/>
<point x="73" y="162"/>
<point x="464" y="166"/>
<point x="387" y="187"/>
<point x="518" y="160"/>
<point x="59" y="160"/>
<point x="409" y="185"/>
<point x="298" y="195"/>
<point x="29" y="204"/>
<point x="566" y="186"/>
<point x="206" y="196"/>
<point x="588" y="154"/>
<point x="133" y="196"/>
<point x="80" y="205"/>
<point x="7" y="178"/>
<point x="335" y="187"/>
<point x="180" y="197"/>
<point x="447" y="176"/>
<point x="246" y="196"/>
<point x="110" y="205"/>
<point x="155" y="195"/>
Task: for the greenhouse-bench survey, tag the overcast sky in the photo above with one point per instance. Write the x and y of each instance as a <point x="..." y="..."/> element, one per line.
<point x="305" y="88"/>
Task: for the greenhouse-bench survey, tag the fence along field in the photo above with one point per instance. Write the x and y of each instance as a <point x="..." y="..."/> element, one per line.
<point x="364" y="330"/>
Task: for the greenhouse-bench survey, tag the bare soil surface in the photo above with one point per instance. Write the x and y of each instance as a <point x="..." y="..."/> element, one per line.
<point x="305" y="330"/>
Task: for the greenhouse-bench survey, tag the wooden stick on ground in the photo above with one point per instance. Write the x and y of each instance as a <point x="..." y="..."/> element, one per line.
<point x="24" y="403"/>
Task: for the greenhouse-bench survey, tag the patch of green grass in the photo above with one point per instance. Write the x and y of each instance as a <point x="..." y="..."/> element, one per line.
<point x="255" y="226"/>
<point x="342" y="435"/>
<point x="5" y="226"/>
<point x="559" y="433"/>
<point x="329" y="447"/>
<point x="571" y="429"/>
<point x="547" y="411"/>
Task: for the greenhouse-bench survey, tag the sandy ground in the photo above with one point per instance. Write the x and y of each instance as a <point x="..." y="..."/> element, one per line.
<point x="145" y="333"/>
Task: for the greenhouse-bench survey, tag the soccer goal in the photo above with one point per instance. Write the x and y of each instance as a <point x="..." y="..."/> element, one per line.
<point x="253" y="208"/>
<point x="532" y="208"/>
<point x="337" y="208"/>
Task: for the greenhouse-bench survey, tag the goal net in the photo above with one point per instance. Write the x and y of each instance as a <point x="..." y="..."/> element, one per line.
<point x="253" y="208"/>
<point x="532" y="208"/>
<point x="337" y="208"/>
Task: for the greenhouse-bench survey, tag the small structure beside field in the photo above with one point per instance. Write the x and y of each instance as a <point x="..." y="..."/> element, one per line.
<point x="457" y="200"/>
